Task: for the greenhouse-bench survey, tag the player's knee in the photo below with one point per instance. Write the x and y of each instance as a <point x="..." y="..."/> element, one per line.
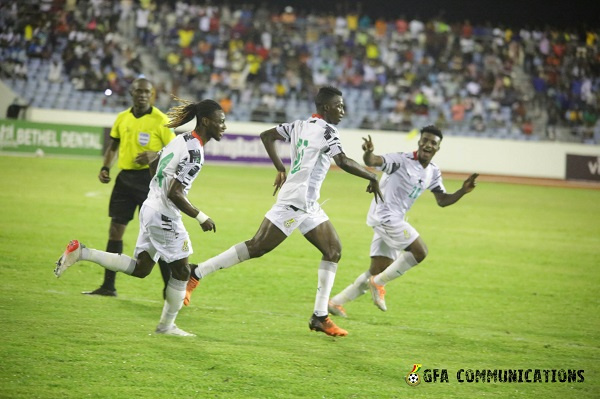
<point x="141" y="271"/>
<point x="180" y="273"/>
<point x="420" y="253"/>
<point x="256" y="250"/>
<point x="333" y="254"/>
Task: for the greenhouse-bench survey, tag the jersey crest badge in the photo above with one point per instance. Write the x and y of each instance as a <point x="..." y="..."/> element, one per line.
<point x="143" y="138"/>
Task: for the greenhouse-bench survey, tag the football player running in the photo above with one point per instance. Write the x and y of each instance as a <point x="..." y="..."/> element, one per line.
<point x="314" y="141"/>
<point x="396" y="246"/>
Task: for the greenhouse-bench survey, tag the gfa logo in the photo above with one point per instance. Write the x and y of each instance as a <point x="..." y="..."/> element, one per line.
<point x="413" y="379"/>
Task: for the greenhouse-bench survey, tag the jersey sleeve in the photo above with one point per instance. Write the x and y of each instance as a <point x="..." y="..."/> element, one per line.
<point x="286" y="130"/>
<point x="187" y="170"/>
<point x="437" y="185"/>
<point x="115" y="131"/>
<point x="391" y="162"/>
<point x="332" y="138"/>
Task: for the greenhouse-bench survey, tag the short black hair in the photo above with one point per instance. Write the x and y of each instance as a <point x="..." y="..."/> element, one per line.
<point x="325" y="94"/>
<point x="433" y="130"/>
<point x="140" y="80"/>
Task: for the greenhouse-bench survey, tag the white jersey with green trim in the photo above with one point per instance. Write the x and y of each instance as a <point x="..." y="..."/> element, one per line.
<point x="403" y="181"/>
<point x="313" y="142"/>
<point x="180" y="160"/>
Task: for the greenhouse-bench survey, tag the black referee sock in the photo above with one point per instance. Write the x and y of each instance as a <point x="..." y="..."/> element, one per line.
<point x="115" y="247"/>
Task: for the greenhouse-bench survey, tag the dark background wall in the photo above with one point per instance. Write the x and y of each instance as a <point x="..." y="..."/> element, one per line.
<point x="532" y="13"/>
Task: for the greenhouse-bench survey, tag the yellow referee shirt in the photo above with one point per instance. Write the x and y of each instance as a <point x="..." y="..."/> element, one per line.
<point x="135" y="135"/>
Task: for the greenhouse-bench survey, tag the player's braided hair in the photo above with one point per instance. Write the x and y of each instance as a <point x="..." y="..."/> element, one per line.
<point x="433" y="130"/>
<point x="188" y="110"/>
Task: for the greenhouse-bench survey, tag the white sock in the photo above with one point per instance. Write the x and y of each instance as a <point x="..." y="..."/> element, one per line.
<point x="396" y="269"/>
<point x="115" y="262"/>
<point x="234" y="255"/>
<point x="326" y="277"/>
<point x="173" y="301"/>
<point x="353" y="291"/>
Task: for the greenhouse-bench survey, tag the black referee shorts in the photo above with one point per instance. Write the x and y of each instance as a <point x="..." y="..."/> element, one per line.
<point x="130" y="191"/>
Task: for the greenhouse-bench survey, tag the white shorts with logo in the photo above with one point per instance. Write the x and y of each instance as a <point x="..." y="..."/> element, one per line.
<point x="162" y="237"/>
<point x="288" y="218"/>
<point x="389" y="240"/>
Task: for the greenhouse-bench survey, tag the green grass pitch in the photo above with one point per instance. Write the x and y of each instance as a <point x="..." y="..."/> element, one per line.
<point x="511" y="282"/>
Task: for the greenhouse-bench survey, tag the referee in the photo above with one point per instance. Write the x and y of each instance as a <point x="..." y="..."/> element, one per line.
<point x="137" y="135"/>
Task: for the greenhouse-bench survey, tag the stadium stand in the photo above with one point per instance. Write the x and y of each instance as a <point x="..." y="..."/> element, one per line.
<point x="263" y="63"/>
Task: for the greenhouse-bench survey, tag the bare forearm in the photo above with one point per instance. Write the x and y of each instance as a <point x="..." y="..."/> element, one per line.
<point x="268" y="139"/>
<point x="275" y="158"/>
<point x="369" y="158"/>
<point x="184" y="205"/>
<point x="449" y="199"/>
<point x="444" y="199"/>
<point x="109" y="157"/>
<point x="354" y="168"/>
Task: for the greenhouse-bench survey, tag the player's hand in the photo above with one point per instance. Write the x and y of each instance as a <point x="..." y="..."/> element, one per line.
<point x="469" y="184"/>
<point x="368" y="146"/>
<point x="104" y="176"/>
<point x="373" y="188"/>
<point x="208" y="225"/>
<point x="144" y="158"/>
<point x="279" y="180"/>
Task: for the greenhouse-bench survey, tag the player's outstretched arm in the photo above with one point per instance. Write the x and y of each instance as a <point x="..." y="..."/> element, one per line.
<point x="268" y="138"/>
<point x="469" y="184"/>
<point x="369" y="157"/>
<point x="445" y="199"/>
<point x="177" y="195"/>
<point x="354" y="168"/>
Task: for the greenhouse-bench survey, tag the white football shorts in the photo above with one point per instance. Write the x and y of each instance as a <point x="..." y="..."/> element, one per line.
<point x="288" y="218"/>
<point x="162" y="237"/>
<point x="389" y="240"/>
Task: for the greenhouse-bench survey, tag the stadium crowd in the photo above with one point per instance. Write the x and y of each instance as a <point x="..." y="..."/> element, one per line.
<point x="397" y="72"/>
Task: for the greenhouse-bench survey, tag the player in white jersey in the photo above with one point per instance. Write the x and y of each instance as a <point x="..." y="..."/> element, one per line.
<point x="162" y="233"/>
<point x="396" y="245"/>
<point x="313" y="143"/>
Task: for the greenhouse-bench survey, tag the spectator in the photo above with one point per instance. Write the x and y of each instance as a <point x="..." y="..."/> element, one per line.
<point x="477" y="124"/>
<point x="303" y="49"/>
<point x="55" y="71"/>
<point x="458" y="113"/>
<point x="527" y="127"/>
<point x="552" y="121"/>
<point x="142" y="16"/>
<point x="225" y="103"/>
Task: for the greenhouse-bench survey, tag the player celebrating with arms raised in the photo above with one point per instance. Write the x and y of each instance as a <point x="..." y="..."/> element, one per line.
<point x="314" y="142"/>
<point x="162" y="232"/>
<point x="396" y="245"/>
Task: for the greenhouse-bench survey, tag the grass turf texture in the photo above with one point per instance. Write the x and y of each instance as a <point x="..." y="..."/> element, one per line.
<point x="511" y="282"/>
